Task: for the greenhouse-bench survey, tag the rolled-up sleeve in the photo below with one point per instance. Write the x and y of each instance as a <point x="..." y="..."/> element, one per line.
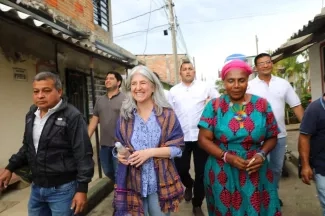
<point x="175" y="152"/>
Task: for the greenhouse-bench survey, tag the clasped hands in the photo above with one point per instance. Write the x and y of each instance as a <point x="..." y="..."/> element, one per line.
<point x="137" y="158"/>
<point x="250" y="165"/>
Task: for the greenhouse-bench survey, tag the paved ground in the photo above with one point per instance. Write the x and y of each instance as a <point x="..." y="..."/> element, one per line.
<point x="299" y="199"/>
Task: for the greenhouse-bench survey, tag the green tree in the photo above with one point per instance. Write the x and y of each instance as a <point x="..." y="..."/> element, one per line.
<point x="290" y="68"/>
<point x="220" y="87"/>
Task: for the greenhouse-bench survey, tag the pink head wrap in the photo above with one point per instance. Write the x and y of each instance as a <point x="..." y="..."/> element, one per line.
<point x="235" y="64"/>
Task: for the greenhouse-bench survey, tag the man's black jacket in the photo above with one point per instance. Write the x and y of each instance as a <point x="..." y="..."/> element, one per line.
<point x="64" y="151"/>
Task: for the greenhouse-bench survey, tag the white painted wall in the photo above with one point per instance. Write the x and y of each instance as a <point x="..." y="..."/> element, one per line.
<point x="316" y="78"/>
<point x="15" y="100"/>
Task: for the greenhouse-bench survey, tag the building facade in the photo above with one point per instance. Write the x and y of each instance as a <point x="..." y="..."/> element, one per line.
<point x="163" y="65"/>
<point x="72" y="38"/>
<point x="312" y="38"/>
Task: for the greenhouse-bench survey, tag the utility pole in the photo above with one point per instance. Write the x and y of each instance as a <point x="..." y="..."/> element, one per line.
<point x="173" y="31"/>
<point x="256" y="41"/>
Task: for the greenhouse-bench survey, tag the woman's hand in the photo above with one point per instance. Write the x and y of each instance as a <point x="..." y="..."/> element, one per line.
<point x="139" y="157"/>
<point x="122" y="158"/>
<point x="236" y="161"/>
<point x="254" y="164"/>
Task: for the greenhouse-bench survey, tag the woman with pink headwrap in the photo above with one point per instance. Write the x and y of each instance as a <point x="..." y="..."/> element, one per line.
<point x="237" y="179"/>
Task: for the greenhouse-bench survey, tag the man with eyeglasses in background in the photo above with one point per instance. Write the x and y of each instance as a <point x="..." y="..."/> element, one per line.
<point x="278" y="92"/>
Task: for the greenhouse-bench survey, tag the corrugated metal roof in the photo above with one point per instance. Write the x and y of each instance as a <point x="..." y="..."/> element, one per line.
<point x="15" y="13"/>
<point x="315" y="26"/>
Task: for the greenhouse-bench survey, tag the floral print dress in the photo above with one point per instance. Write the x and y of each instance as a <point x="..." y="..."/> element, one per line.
<point x="230" y="191"/>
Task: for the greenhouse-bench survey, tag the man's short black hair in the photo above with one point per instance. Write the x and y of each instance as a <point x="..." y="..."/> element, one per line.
<point x="117" y="75"/>
<point x="261" y="55"/>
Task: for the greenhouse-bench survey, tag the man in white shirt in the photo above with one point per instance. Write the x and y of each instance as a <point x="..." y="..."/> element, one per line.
<point x="188" y="99"/>
<point x="278" y="92"/>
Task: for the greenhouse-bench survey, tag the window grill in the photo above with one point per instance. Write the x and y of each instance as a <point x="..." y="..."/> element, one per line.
<point x="101" y="13"/>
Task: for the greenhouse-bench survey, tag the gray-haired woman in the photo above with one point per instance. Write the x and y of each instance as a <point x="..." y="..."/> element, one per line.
<point x="147" y="182"/>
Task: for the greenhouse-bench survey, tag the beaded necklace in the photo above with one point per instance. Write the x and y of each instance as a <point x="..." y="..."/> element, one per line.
<point x="240" y="113"/>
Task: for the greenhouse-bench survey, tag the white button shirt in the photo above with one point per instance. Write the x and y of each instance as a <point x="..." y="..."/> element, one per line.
<point x="188" y="103"/>
<point x="278" y="92"/>
<point x="40" y="122"/>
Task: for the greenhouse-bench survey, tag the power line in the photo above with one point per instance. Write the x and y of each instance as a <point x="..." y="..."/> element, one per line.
<point x="165" y="9"/>
<point x="145" y="30"/>
<point x="164" y="5"/>
<point x="145" y="47"/>
<point x="181" y="35"/>
<point x="139" y="16"/>
<point x="138" y="35"/>
<point x="231" y="18"/>
<point x="180" y="48"/>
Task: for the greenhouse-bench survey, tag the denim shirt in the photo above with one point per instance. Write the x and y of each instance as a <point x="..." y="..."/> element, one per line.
<point x="147" y="135"/>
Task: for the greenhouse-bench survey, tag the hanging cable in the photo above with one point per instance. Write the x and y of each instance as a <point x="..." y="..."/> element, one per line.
<point x="141" y="31"/>
<point x="139" y="16"/>
<point x="138" y="35"/>
<point x="145" y="46"/>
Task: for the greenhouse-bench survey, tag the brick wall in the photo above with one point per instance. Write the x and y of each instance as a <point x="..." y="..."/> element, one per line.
<point x="163" y="65"/>
<point x="75" y="13"/>
<point x="80" y="12"/>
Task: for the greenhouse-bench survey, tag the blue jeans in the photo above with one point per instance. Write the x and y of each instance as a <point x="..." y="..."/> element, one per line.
<point x="320" y="186"/>
<point x="53" y="201"/>
<point x="151" y="206"/>
<point x="108" y="162"/>
<point x="276" y="159"/>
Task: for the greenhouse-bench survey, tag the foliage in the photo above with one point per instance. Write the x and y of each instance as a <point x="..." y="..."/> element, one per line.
<point x="287" y="67"/>
<point x="305" y="100"/>
<point x="290" y="68"/>
<point x="220" y="87"/>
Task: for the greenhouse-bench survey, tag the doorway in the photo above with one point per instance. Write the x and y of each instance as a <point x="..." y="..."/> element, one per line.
<point x="76" y="83"/>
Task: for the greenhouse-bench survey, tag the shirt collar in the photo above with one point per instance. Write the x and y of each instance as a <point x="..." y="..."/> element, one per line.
<point x="50" y="111"/>
<point x="260" y="80"/>
<point x="136" y="114"/>
<point x="193" y="82"/>
<point x="113" y="95"/>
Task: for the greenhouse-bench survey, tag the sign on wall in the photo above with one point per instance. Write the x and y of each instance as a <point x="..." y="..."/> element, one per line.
<point x="20" y="74"/>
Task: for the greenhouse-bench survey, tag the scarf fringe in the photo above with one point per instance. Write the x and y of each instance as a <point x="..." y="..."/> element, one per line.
<point x="168" y="206"/>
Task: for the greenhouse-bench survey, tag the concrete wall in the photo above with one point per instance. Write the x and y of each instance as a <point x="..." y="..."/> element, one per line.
<point x="316" y="71"/>
<point x="15" y="99"/>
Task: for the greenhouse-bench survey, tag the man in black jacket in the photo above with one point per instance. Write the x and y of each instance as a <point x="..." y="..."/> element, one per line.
<point x="58" y="151"/>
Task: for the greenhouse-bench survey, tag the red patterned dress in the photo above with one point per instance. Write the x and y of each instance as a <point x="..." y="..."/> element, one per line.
<point x="230" y="191"/>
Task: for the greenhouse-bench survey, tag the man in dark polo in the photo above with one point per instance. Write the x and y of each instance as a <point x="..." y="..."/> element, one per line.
<point x="106" y="113"/>
<point x="57" y="150"/>
<point x="312" y="147"/>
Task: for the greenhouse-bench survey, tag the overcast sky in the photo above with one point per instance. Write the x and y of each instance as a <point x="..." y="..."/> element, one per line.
<point x="212" y="29"/>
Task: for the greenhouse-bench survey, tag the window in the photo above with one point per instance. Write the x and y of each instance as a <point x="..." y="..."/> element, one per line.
<point x="101" y="16"/>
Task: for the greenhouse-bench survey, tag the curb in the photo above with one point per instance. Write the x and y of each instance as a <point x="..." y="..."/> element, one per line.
<point x="293" y="129"/>
<point x="98" y="192"/>
<point x="293" y="157"/>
